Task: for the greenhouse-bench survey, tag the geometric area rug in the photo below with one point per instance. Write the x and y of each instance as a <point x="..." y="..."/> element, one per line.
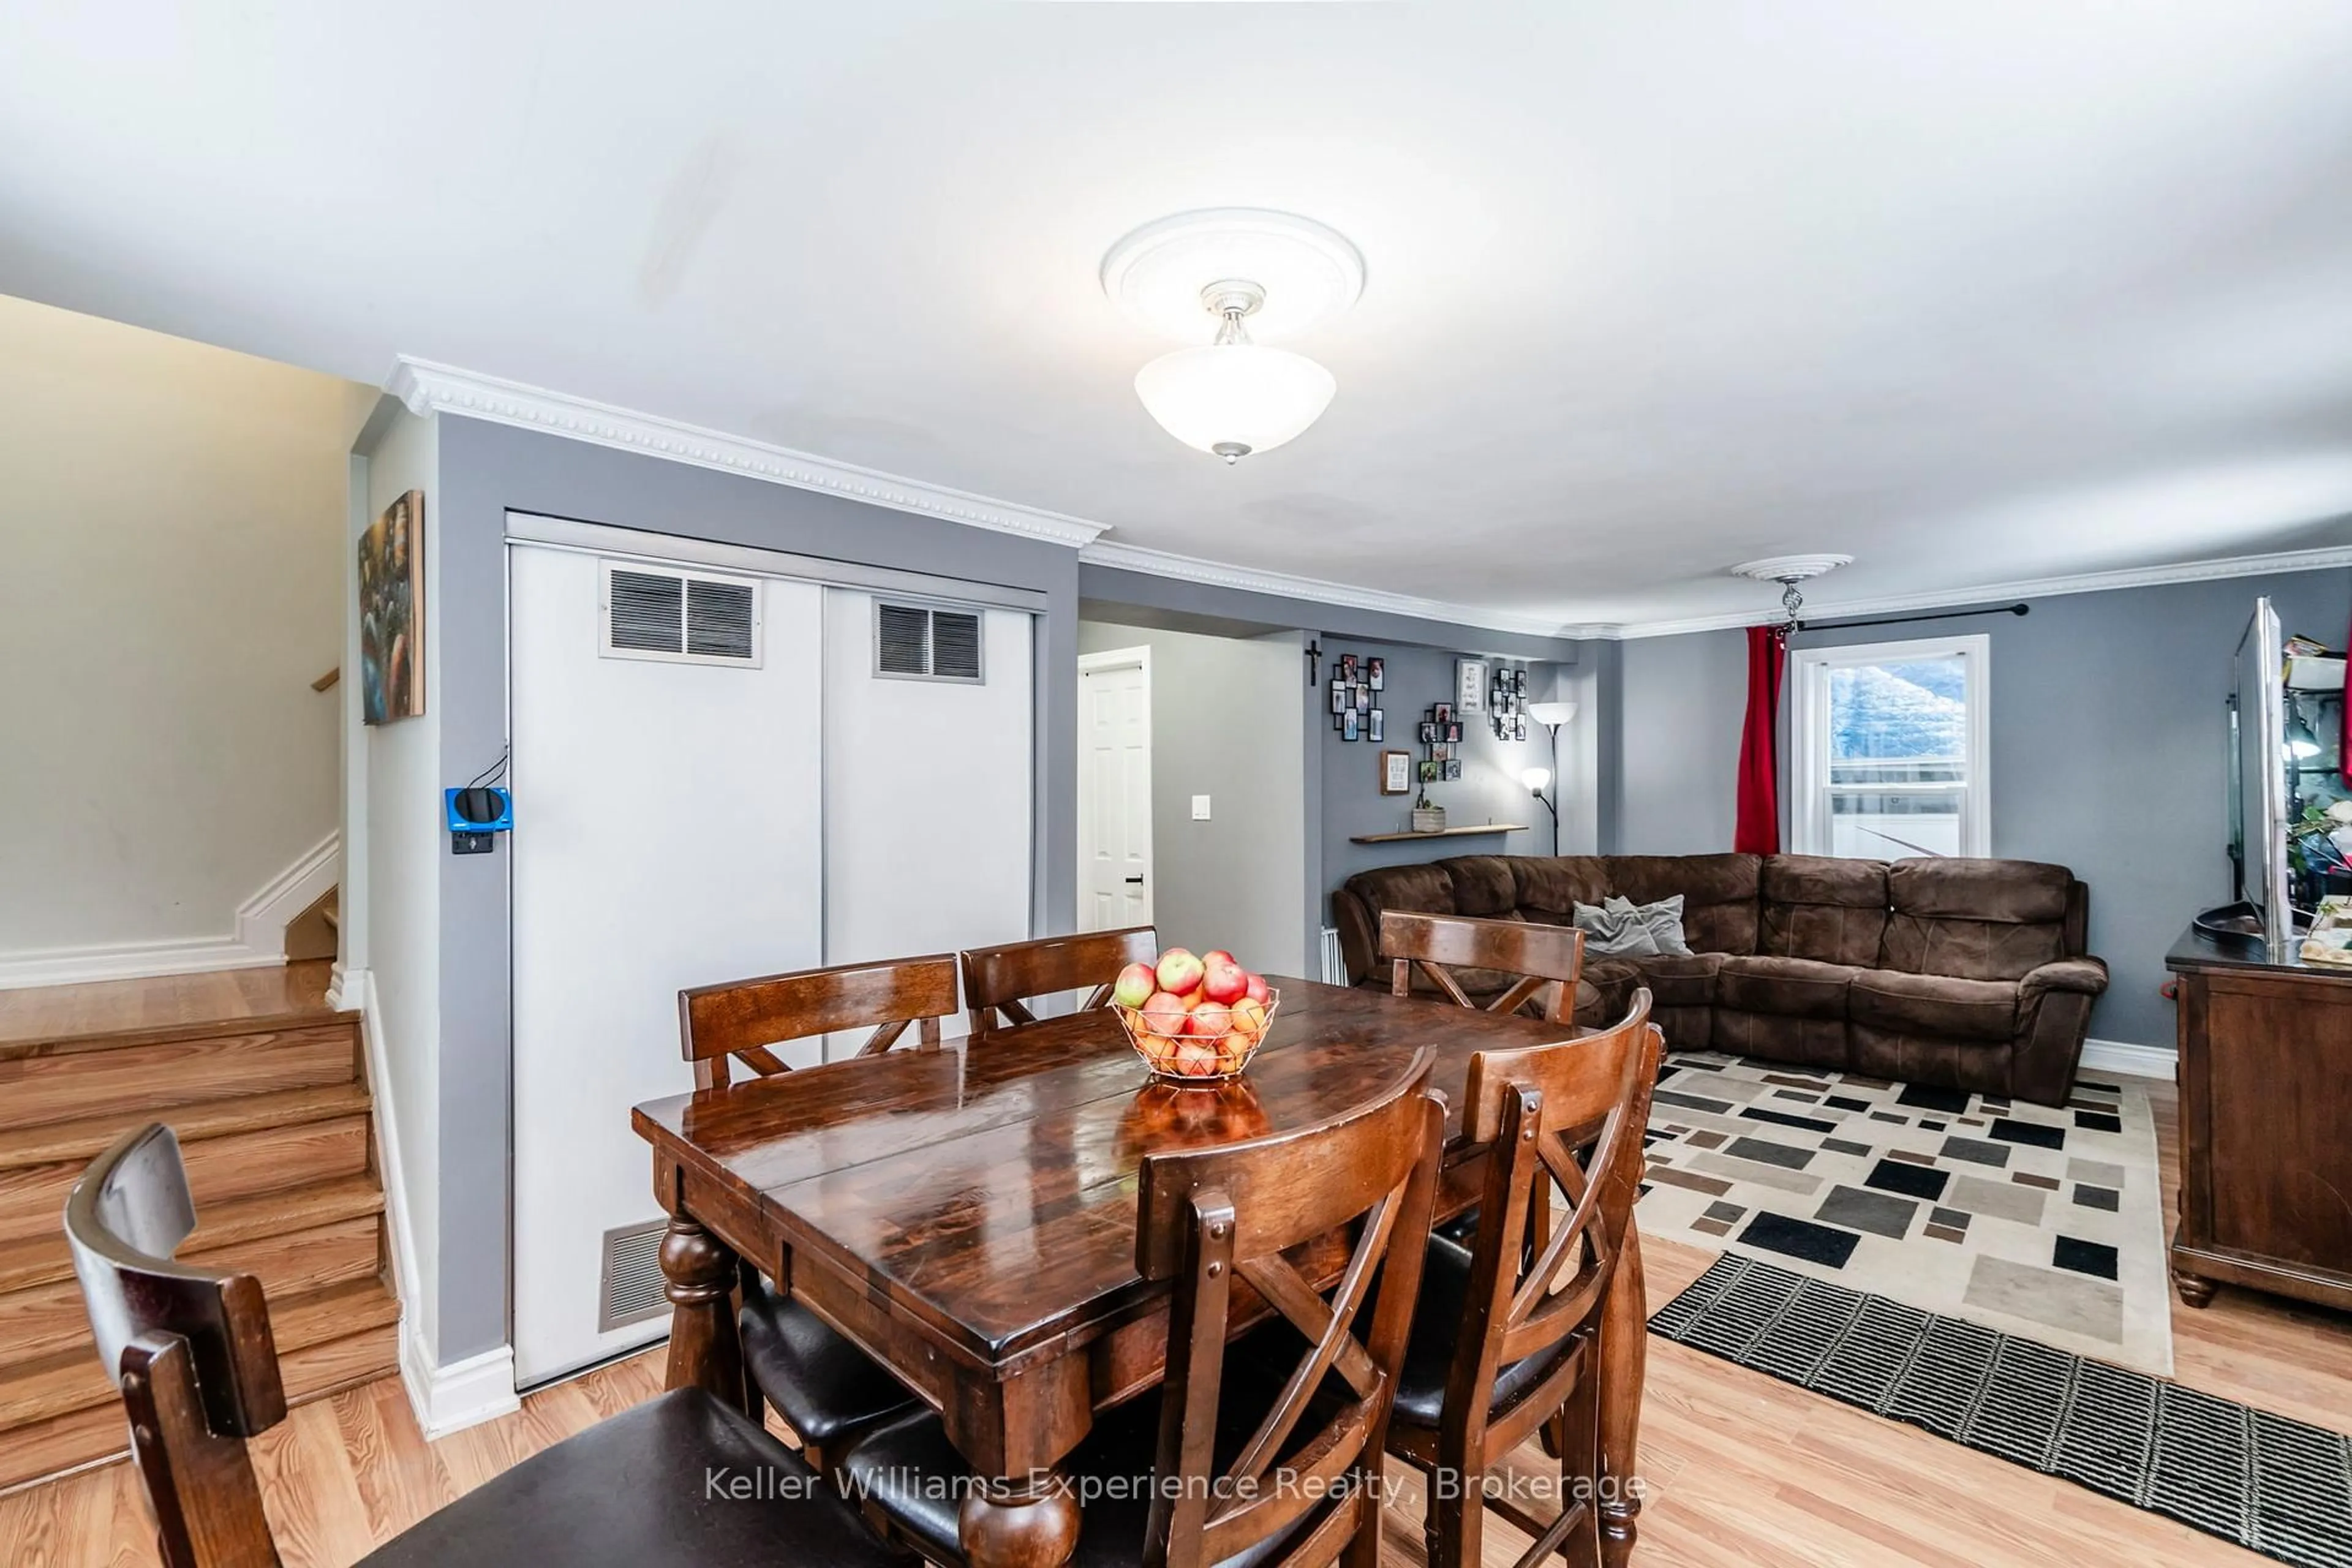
<point x="2041" y="1222"/>
<point x="2280" y="1487"/>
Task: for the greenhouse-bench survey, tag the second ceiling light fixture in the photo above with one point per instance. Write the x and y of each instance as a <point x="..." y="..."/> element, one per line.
<point x="1253" y="273"/>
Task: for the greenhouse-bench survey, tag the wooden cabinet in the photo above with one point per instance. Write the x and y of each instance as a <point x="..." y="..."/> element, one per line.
<point x="2266" y="1123"/>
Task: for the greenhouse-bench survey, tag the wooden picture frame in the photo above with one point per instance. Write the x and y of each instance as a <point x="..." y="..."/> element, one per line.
<point x="1396" y="772"/>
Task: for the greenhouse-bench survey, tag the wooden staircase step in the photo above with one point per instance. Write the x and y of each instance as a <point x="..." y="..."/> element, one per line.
<point x="106" y="1015"/>
<point x="69" y="1381"/>
<point x="291" y="1141"/>
<point x="327" y="1341"/>
<point x="51" y="1317"/>
<point x="42" y="1261"/>
<point x="45" y="1087"/>
<point x="84" y="1137"/>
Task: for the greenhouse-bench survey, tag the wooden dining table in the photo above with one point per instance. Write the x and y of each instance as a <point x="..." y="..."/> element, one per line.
<point x="967" y="1215"/>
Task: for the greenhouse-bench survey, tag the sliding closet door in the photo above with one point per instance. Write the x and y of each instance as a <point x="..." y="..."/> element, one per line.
<point x="667" y="799"/>
<point x="927" y="763"/>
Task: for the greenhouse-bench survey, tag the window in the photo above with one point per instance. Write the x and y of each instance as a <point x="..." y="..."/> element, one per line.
<point x="1890" y="750"/>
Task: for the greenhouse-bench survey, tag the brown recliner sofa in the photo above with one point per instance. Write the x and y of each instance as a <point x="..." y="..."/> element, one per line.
<point x="1969" y="975"/>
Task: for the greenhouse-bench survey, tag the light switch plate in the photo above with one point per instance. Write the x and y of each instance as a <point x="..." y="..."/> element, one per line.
<point x="1200" y="808"/>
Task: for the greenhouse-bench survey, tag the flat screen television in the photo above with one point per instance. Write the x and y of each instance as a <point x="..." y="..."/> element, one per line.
<point x="2258" y="795"/>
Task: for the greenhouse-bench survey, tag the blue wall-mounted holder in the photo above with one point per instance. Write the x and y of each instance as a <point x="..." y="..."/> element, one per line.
<point x="475" y="812"/>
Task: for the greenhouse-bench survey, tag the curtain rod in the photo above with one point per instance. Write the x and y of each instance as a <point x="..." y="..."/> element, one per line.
<point x="2020" y="608"/>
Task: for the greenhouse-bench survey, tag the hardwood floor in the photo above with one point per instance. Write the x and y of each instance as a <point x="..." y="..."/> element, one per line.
<point x="166" y="1005"/>
<point x="1744" y="1469"/>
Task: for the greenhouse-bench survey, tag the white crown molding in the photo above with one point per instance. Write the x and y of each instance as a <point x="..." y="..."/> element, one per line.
<point x="426" y="387"/>
<point x="2029" y="588"/>
<point x="1282" y="585"/>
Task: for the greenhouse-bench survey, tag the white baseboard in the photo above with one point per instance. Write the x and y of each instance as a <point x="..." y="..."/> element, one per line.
<point x="464" y="1393"/>
<point x="129" y="961"/>
<point x="258" y="941"/>
<point x="262" y="920"/>
<point x="2130" y="1060"/>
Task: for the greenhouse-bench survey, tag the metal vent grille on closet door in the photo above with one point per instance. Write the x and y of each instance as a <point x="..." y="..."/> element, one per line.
<point x="633" y="1288"/>
<point x="644" y="611"/>
<point x="679" y="617"/>
<point x="913" y="642"/>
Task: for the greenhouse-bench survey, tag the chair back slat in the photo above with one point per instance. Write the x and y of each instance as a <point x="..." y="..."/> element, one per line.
<point x="742" y="1019"/>
<point x="1570" y="1113"/>
<point x="1001" y="983"/>
<point x="1368" y="1177"/>
<point x="1548" y="959"/>
<point x="189" y="1349"/>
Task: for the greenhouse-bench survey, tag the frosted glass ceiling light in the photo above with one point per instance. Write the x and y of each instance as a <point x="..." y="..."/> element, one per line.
<point x="1234" y="397"/>
<point x="1278" y="272"/>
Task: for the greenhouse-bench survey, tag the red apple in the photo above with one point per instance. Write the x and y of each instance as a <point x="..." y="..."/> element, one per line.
<point x="1163" y="1013"/>
<point x="1179" y="971"/>
<point x="1210" y="1019"/>
<point x="1257" y="990"/>
<point x="1226" y="981"/>
<point x="1216" y="956"/>
<point x="1196" y="1059"/>
<point x="1134" y="985"/>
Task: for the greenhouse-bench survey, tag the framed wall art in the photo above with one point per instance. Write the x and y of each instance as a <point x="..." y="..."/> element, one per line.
<point x="1396" y="772"/>
<point x="392" y="613"/>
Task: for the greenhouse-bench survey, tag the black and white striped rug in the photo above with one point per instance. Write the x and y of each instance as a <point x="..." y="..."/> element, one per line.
<point x="2283" y="1488"/>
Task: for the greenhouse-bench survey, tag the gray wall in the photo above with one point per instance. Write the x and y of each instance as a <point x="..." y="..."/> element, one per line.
<point x="1342" y="778"/>
<point x="1488" y="791"/>
<point x="1225" y="722"/>
<point x="2108" y="742"/>
<point x="1684" y="700"/>
<point x="487" y="470"/>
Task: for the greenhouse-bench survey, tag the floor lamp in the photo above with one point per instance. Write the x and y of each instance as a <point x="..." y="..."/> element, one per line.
<point x="1551" y="716"/>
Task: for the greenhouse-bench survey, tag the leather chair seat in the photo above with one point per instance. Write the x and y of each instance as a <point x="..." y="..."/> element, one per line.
<point x="1936" y="1004"/>
<point x="823" y="1387"/>
<point x="909" y="1472"/>
<point x="1437" y="1329"/>
<point x="639" y="1490"/>
<point x="1783" y="987"/>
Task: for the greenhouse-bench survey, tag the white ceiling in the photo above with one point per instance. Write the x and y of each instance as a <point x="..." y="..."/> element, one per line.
<point x="1975" y="291"/>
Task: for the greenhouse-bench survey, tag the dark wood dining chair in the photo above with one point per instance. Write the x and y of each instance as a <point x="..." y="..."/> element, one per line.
<point x="1000" y="984"/>
<point x="1310" y="1394"/>
<point x="1504" y="1340"/>
<point x="191" y="1352"/>
<point x="827" y="1389"/>
<point x="742" y="1018"/>
<point x="1546" y="959"/>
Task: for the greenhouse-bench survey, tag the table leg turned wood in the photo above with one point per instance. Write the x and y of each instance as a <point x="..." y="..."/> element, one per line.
<point x="704" y="1352"/>
<point x="1624" y="1356"/>
<point x="1031" y="1523"/>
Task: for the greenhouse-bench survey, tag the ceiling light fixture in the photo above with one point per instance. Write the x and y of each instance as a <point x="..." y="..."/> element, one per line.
<point x="1788" y="570"/>
<point x="1233" y="396"/>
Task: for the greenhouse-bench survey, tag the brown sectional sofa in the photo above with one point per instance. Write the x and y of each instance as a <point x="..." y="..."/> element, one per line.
<point x="1965" y="973"/>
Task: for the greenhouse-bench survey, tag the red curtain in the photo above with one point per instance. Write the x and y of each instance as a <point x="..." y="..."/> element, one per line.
<point x="1757" y="831"/>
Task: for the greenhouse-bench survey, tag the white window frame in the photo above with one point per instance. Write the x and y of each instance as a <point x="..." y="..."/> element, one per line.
<point x="1810" y="828"/>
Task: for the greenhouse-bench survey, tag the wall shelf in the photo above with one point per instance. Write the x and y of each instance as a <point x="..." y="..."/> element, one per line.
<point x="1440" y="833"/>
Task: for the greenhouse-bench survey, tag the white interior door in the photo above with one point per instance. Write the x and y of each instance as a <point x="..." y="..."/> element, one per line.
<point x="667" y="835"/>
<point x="927" y="790"/>
<point x="1115" y="789"/>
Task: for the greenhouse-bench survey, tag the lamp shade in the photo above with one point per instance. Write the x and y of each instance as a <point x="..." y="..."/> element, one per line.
<point x="1232" y="399"/>
<point x="1535" y="779"/>
<point x="1552" y="713"/>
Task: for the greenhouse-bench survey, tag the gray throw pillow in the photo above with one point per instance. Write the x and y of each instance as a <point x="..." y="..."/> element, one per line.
<point x="1624" y="929"/>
